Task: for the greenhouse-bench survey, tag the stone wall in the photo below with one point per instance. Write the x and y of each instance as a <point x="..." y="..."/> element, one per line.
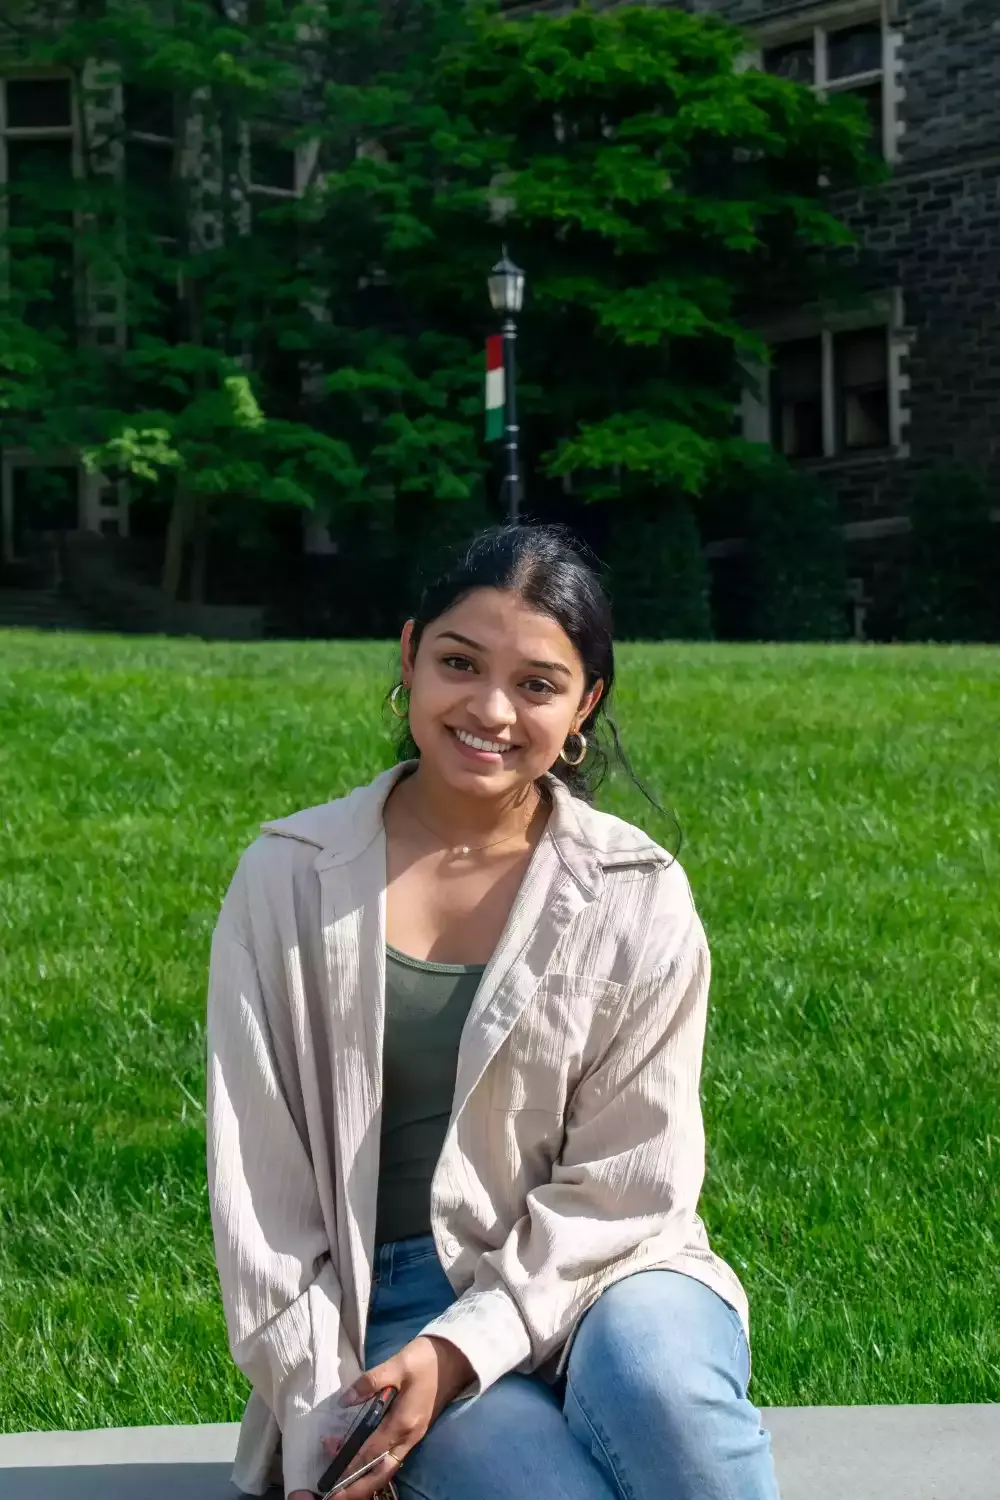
<point x="951" y="64"/>
<point x="934" y="228"/>
<point x="934" y="231"/>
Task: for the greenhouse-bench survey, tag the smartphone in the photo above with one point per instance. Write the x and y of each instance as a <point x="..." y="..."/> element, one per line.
<point x="368" y="1417"/>
<point x="355" y="1475"/>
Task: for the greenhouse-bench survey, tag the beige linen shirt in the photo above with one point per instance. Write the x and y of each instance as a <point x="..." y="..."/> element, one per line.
<point x="575" y="1152"/>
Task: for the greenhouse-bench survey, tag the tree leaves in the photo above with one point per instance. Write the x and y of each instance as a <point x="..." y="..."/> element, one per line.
<point x="655" y="190"/>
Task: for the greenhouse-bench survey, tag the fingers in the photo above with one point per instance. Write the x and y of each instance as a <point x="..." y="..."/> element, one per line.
<point x="395" y="1436"/>
<point x="367" y="1384"/>
<point x="401" y="1430"/>
<point x="414" y="1373"/>
<point x="385" y="1468"/>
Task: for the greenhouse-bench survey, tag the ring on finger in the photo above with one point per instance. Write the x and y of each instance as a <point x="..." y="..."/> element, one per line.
<point x="395" y="1458"/>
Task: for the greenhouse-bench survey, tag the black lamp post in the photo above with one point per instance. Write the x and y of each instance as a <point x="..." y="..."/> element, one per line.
<point x="506" y="284"/>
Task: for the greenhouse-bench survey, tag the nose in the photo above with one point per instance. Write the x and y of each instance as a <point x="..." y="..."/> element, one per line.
<point x="493" y="709"/>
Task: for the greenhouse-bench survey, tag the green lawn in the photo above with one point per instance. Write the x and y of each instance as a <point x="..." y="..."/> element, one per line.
<point x="841" y="810"/>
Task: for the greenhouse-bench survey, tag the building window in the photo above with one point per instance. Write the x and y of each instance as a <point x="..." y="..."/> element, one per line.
<point x="830" y="395"/>
<point x="271" y="179"/>
<point x="149" y="113"/>
<point x="272" y="176"/>
<point x="845" y="59"/>
<point x="861" y="389"/>
<point x="37" y="168"/>
<point x="272" y="167"/>
<point x="39" y="104"/>
<point x="150" y="123"/>
<point x="797" y="398"/>
<point x="36" y="499"/>
<point x="150" y="145"/>
<point x="270" y="173"/>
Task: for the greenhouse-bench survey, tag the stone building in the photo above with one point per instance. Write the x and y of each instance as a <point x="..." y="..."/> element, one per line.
<point x="910" y="378"/>
<point x="45" y="128"/>
<point x="870" y="398"/>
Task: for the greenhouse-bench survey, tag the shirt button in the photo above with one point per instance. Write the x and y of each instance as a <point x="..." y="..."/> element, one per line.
<point x="452" y="1247"/>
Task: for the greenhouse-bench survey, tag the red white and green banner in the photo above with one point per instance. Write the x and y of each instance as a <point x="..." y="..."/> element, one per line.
<point x="496" y="394"/>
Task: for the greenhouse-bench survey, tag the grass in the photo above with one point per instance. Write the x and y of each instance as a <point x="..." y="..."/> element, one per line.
<point x="842" y="832"/>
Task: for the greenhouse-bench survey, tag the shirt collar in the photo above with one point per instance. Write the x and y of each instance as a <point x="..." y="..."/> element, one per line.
<point x="587" y="842"/>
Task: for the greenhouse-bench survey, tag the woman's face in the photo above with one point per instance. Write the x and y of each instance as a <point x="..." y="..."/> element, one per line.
<point x="495" y="688"/>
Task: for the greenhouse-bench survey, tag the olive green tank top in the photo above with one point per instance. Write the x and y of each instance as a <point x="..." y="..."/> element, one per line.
<point x="425" y="1009"/>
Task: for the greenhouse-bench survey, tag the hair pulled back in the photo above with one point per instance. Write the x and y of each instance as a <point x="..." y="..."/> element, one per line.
<point x="556" y="575"/>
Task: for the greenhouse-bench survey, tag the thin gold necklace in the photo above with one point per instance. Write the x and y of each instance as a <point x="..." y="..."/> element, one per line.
<point x="466" y="849"/>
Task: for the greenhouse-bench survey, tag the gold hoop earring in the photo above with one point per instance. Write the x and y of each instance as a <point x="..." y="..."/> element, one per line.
<point x="583" y="751"/>
<point x="394" y="698"/>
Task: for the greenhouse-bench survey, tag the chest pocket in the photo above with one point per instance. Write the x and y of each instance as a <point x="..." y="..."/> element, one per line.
<point x="559" y="1035"/>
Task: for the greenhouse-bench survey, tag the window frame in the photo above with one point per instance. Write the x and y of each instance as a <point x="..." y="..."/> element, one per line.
<point x="842" y="391"/>
<point x="776" y="409"/>
<point x="172" y="144"/>
<point x="70" y="132"/>
<point x="262" y="191"/>
<point x="101" y="502"/>
<point x="166" y="143"/>
<point x="883" y="312"/>
<point x="14" y="459"/>
<point x="845" y="17"/>
<point x="268" y="189"/>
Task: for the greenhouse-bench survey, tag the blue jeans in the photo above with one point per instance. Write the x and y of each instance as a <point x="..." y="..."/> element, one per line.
<point x="654" y="1405"/>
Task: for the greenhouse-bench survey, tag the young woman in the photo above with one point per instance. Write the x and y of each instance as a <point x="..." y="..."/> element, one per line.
<point x="455" y="1145"/>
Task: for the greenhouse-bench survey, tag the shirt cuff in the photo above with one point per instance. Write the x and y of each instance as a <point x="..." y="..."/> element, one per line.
<point x="488" y="1329"/>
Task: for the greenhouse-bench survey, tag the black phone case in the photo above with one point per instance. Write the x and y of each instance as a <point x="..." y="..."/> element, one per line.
<point x="365" y="1423"/>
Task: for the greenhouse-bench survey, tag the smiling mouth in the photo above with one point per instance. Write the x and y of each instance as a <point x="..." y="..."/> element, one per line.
<point x="476" y="742"/>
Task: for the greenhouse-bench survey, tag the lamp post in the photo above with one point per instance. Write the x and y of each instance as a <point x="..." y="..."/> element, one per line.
<point x="506" y="284"/>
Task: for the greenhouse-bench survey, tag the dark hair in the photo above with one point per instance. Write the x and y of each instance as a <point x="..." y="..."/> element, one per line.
<point x="557" y="575"/>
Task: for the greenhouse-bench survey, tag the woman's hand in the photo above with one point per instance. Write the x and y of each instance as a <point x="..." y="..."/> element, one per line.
<point x="428" y="1373"/>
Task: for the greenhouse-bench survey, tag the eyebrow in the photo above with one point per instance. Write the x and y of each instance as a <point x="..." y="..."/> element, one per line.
<point x="464" y="640"/>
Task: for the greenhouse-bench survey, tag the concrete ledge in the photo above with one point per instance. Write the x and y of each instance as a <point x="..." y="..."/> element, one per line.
<point x="822" y="1453"/>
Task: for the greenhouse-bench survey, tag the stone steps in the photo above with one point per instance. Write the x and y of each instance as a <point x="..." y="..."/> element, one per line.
<point x="821" y="1453"/>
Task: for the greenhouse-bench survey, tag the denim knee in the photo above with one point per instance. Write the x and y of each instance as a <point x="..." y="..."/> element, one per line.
<point x="656" y="1393"/>
<point x="662" y="1335"/>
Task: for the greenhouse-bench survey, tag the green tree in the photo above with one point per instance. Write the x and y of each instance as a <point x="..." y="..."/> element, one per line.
<point x="403" y="368"/>
<point x="952" y="591"/>
<point x="155" y="297"/>
<point x="325" y="349"/>
<point x="796" y="556"/>
<point x="659" y="577"/>
<point x="657" y="192"/>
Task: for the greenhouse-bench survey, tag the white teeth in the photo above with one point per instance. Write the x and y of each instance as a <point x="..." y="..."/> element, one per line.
<point x="475" y="743"/>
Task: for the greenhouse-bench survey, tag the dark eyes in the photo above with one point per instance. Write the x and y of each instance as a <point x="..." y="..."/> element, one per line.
<point x="537" y="686"/>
